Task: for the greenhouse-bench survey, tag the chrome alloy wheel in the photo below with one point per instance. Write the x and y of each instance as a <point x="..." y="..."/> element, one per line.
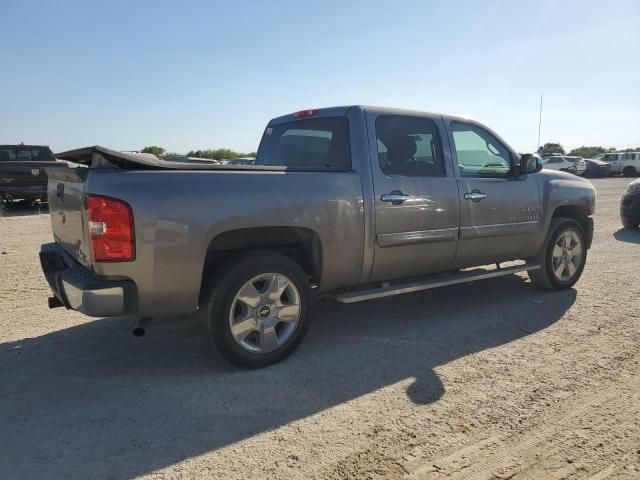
<point x="264" y="313"/>
<point x="567" y="255"/>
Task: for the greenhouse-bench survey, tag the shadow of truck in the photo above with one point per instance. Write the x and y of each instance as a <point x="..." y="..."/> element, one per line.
<point x="93" y="401"/>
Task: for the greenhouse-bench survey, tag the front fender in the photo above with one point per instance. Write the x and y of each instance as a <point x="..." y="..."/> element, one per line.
<point x="568" y="195"/>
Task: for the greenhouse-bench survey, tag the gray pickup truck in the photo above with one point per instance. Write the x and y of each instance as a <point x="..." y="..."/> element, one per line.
<point x="346" y="203"/>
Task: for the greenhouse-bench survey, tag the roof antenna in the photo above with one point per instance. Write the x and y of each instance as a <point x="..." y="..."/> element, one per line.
<point x="539" y="123"/>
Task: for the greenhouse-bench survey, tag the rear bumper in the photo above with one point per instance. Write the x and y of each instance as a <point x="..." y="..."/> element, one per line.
<point x="79" y="289"/>
<point x="23" y="191"/>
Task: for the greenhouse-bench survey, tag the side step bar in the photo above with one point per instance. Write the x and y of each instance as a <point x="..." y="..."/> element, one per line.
<point x="433" y="282"/>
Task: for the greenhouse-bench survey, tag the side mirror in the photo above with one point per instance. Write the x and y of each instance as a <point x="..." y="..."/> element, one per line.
<point x="529" y="163"/>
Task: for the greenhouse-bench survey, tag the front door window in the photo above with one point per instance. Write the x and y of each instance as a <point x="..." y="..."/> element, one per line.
<point x="479" y="153"/>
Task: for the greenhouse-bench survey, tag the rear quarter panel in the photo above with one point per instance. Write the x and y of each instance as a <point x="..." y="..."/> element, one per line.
<point x="178" y="213"/>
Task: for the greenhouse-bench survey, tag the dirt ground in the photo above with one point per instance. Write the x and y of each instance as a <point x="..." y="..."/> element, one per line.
<point x="492" y="380"/>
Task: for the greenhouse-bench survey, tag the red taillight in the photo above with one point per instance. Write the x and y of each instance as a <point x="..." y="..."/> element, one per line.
<point x="111" y="228"/>
<point x="306" y="113"/>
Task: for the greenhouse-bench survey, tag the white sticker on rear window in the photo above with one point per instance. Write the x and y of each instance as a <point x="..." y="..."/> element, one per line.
<point x="268" y="131"/>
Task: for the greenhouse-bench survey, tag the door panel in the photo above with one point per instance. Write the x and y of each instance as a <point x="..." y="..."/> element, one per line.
<point x="613" y="159"/>
<point x="499" y="214"/>
<point x="416" y="197"/>
<point x="504" y="225"/>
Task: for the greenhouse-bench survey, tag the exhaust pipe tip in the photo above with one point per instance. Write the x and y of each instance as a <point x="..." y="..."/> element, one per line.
<point x="54" y="302"/>
<point x="139" y="332"/>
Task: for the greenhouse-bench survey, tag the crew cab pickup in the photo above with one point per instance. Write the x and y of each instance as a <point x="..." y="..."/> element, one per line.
<point x="627" y="163"/>
<point x="22" y="172"/>
<point x="346" y="203"/>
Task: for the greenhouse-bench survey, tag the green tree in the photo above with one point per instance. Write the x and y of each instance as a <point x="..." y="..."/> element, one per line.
<point x="591" y="152"/>
<point x="587" y="152"/>
<point x="154" y="149"/>
<point x="549" y="148"/>
<point x="217" y="154"/>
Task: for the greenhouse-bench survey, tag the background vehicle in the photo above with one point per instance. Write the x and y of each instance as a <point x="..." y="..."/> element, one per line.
<point x="22" y="171"/>
<point x="627" y="163"/>
<point x="185" y="159"/>
<point x="242" y="161"/>
<point x="564" y="163"/>
<point x="350" y="203"/>
<point x="630" y="205"/>
<point x="596" y="168"/>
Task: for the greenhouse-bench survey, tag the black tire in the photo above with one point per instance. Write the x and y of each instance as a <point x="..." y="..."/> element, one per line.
<point x="629" y="172"/>
<point x="221" y="293"/>
<point x="629" y="224"/>
<point x="544" y="277"/>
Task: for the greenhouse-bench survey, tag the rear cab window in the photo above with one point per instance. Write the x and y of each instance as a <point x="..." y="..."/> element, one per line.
<point x="309" y="144"/>
<point x="9" y="153"/>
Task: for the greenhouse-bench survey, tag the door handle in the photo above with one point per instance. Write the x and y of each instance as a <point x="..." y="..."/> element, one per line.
<point x="475" y="196"/>
<point x="395" y="197"/>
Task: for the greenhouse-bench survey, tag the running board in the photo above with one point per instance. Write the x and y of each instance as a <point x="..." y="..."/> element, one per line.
<point x="427" y="284"/>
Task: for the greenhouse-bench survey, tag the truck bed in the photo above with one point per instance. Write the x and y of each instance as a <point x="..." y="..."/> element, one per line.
<point x="178" y="212"/>
<point x="101" y="157"/>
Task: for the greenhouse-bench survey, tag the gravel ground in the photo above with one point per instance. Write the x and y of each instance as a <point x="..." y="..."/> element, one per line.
<point x="492" y="380"/>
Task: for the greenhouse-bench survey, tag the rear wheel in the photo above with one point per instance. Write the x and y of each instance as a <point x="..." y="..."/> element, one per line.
<point x="629" y="172"/>
<point x="562" y="257"/>
<point x="257" y="309"/>
<point x="629" y="224"/>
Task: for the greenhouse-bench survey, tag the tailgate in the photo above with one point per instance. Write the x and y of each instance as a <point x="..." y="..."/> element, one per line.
<point x="66" y="206"/>
<point x="23" y="173"/>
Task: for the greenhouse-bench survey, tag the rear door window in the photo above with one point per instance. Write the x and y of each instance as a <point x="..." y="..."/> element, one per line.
<point x="409" y="146"/>
<point x="310" y="144"/>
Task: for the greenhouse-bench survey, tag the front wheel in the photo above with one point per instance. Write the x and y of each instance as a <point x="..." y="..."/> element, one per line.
<point x="562" y="257"/>
<point x="257" y="309"/>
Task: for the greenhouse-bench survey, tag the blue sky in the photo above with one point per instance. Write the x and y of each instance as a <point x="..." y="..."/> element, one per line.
<point x="207" y="74"/>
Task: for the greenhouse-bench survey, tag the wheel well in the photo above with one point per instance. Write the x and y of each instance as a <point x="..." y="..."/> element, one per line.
<point x="302" y="245"/>
<point x="579" y="214"/>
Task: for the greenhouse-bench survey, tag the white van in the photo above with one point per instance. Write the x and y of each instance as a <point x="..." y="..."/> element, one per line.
<point x="627" y="163"/>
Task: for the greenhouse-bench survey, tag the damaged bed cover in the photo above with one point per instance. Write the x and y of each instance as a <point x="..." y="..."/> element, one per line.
<point x="101" y="157"/>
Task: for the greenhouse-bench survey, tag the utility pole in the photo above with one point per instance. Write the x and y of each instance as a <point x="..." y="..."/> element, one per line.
<point x="540" y="122"/>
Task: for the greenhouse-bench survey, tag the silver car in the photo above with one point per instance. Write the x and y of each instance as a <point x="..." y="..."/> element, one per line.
<point x="565" y="163"/>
